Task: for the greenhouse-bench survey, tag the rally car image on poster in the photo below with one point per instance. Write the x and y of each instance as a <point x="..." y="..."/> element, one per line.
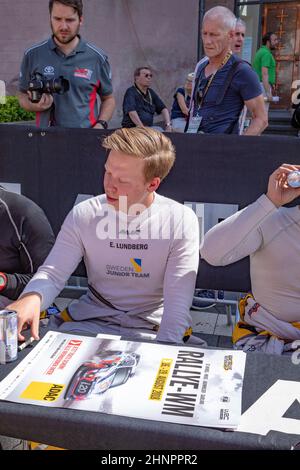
<point x="105" y="370"/>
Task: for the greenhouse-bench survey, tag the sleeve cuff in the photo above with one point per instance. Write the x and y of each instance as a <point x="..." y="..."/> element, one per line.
<point x="266" y="203"/>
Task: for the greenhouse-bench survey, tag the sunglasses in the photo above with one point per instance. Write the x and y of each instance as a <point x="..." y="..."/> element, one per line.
<point x="148" y="75"/>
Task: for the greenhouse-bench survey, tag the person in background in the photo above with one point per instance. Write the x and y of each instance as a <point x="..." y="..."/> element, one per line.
<point x="264" y="65"/>
<point x="239" y="36"/>
<point x="26" y="239"/>
<point x="223" y="83"/>
<point x="82" y="64"/>
<point x="141" y="102"/>
<point x="181" y="104"/>
<point x="270" y="234"/>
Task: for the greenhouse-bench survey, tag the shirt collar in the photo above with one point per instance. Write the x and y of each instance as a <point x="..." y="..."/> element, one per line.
<point x="81" y="46"/>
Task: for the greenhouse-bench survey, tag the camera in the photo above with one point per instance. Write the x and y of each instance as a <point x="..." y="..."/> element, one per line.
<point x="40" y="84"/>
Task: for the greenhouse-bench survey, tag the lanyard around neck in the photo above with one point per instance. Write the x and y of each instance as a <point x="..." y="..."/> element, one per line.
<point x="143" y="96"/>
<point x="201" y="94"/>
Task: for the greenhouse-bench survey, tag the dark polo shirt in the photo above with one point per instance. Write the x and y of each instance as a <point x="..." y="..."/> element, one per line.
<point x="146" y="105"/>
<point x="89" y="75"/>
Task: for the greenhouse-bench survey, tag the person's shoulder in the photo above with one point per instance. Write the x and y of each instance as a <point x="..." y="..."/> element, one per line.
<point x="259" y="51"/>
<point x="131" y="89"/>
<point x="89" y="204"/>
<point x="180" y="90"/>
<point x="89" y="208"/>
<point x="12" y="198"/>
<point x="36" y="47"/>
<point x="202" y="61"/>
<point x="96" y="51"/>
<point x="16" y="203"/>
<point x="243" y="65"/>
<point x="174" y="207"/>
<point x="244" y="69"/>
<point x="154" y="93"/>
<point x="201" y="64"/>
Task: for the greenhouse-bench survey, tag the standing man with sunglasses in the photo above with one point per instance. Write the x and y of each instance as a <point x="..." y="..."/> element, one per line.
<point x="141" y="102"/>
<point x="223" y="82"/>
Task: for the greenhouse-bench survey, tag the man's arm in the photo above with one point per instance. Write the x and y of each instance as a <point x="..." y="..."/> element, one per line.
<point x="105" y="91"/>
<point x="44" y="103"/>
<point x="259" y="120"/>
<point x="240" y="235"/>
<point x="265" y="81"/>
<point x="179" y="280"/>
<point x="108" y="104"/>
<point x="129" y="107"/>
<point x="182" y="104"/>
<point x="37" y="239"/>
<point x="51" y="277"/>
<point x="166" y="116"/>
<point x="237" y="236"/>
<point x="26" y="70"/>
<point x="28" y="309"/>
<point x="160" y="108"/>
<point x="135" y="118"/>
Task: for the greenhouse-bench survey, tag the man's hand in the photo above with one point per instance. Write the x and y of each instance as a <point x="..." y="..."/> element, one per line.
<point x="169" y="127"/>
<point x="28" y="309"/>
<point x="98" y="126"/>
<point x="269" y="97"/>
<point x="279" y="192"/>
<point x="45" y="102"/>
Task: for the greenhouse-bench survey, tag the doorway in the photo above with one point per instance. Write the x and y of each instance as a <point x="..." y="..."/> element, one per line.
<point x="284" y="20"/>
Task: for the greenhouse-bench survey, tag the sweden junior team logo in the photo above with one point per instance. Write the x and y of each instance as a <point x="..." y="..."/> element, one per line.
<point x="137" y="264"/>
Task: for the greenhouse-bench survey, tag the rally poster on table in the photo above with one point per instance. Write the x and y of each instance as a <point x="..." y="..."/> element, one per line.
<point x="179" y="384"/>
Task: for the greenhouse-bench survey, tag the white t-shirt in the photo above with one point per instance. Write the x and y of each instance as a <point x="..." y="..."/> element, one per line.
<point x="145" y="266"/>
<point x="271" y="237"/>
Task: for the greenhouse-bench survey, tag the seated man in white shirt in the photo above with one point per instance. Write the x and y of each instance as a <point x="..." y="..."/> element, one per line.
<point x="270" y="234"/>
<point x="141" y="251"/>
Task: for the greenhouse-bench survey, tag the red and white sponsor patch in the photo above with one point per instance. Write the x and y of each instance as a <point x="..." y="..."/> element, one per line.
<point x="83" y="73"/>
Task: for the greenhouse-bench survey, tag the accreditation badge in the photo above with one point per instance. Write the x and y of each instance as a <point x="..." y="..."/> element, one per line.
<point x="194" y="124"/>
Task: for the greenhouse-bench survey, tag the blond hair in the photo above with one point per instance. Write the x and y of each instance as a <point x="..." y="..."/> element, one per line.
<point x="152" y="146"/>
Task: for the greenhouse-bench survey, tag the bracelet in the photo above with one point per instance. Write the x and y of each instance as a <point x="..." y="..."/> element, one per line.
<point x="102" y="122"/>
<point x="3" y="281"/>
<point x="168" y="124"/>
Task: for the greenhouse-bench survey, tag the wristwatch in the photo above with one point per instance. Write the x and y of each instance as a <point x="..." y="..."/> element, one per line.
<point x="103" y="123"/>
<point x="3" y="281"/>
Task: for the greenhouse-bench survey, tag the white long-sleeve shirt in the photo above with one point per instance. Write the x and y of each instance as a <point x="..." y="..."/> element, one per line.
<point x="271" y="237"/>
<point x="145" y="267"/>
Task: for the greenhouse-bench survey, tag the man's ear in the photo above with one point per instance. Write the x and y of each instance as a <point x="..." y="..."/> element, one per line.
<point x="153" y="184"/>
<point x="81" y="20"/>
<point x="231" y="33"/>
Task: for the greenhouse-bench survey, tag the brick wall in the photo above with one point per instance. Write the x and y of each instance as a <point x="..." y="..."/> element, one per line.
<point x="161" y="33"/>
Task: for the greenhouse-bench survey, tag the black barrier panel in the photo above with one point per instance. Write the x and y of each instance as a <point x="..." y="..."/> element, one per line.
<point x="55" y="165"/>
<point x="226" y="169"/>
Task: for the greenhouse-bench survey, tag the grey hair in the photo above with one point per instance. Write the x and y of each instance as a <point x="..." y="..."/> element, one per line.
<point x="224" y="14"/>
<point x="240" y="22"/>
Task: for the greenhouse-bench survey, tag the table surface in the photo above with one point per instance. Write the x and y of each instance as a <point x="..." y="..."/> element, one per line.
<point x="76" y="429"/>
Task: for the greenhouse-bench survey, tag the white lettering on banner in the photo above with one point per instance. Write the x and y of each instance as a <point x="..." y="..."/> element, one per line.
<point x="296" y="354"/>
<point x="296" y="95"/>
<point x="210" y="214"/>
<point x="2" y="92"/>
<point x="266" y="414"/>
<point x="12" y="187"/>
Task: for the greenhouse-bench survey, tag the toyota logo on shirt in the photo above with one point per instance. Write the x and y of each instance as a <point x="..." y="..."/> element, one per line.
<point x="49" y="70"/>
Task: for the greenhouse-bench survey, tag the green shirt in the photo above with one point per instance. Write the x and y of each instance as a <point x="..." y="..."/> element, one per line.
<point x="264" y="58"/>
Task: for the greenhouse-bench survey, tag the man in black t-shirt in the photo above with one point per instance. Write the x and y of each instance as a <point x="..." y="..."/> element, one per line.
<point x="26" y="239"/>
<point x="141" y="102"/>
